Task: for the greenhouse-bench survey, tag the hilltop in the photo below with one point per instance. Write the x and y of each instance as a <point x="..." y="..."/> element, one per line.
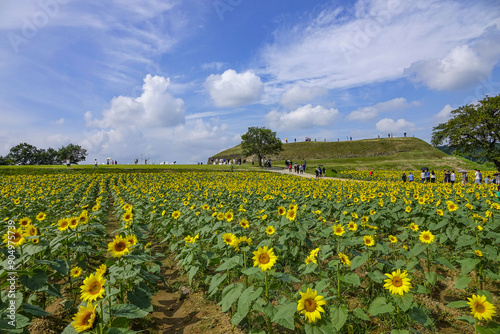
<point x="384" y="153"/>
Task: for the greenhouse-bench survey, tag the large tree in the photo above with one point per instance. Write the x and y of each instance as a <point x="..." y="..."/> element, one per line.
<point x="261" y="142"/>
<point x="473" y="130"/>
<point x="75" y="153"/>
<point x="23" y="154"/>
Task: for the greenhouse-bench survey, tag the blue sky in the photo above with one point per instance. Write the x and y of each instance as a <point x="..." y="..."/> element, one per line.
<point x="182" y="80"/>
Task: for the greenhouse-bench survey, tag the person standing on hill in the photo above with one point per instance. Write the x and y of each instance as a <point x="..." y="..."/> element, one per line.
<point x="403" y="177"/>
<point x="452" y="177"/>
<point x="477" y="179"/>
<point x="465" y="178"/>
<point x="410" y="177"/>
<point x="422" y="176"/>
<point x="433" y="177"/>
<point x="427" y="176"/>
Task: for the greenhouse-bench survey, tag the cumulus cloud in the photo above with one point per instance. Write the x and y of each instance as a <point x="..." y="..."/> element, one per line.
<point x="459" y="69"/>
<point x="371" y="112"/>
<point x="444" y="114"/>
<point x="231" y="89"/>
<point x="154" y="108"/>
<point x="302" y="118"/>
<point x="300" y="94"/>
<point x="380" y="39"/>
<point x="388" y="125"/>
<point x="57" y="140"/>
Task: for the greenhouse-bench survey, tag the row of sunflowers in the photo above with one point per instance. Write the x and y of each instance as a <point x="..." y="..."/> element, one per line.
<point x="278" y="253"/>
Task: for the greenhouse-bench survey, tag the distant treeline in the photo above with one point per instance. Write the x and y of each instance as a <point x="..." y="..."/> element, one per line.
<point x="26" y="154"/>
<point x="477" y="153"/>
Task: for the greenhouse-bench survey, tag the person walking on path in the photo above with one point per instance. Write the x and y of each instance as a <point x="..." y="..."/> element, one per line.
<point x="95" y="162"/>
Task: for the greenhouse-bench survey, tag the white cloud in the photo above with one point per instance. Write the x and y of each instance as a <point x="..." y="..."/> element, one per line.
<point x="213" y="66"/>
<point x="57" y="140"/>
<point x="231" y="89"/>
<point x="371" y="112"/>
<point x="300" y="94"/>
<point x="444" y="114"/>
<point x="154" y="108"/>
<point x="60" y="121"/>
<point x="378" y="41"/>
<point x="388" y="125"/>
<point x="302" y="118"/>
<point x="460" y="68"/>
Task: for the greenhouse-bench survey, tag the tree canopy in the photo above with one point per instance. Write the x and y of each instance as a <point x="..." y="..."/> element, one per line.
<point x="261" y="142"/>
<point x="473" y="130"/>
<point x="26" y="154"/>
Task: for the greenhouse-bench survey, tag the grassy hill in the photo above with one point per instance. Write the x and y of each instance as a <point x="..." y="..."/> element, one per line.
<point x="383" y="153"/>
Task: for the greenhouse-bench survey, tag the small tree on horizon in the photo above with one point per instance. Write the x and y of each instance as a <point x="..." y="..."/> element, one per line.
<point x="260" y="142"/>
<point x="473" y="130"/>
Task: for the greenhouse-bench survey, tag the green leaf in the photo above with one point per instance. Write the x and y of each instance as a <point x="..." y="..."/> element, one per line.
<point x="229" y="264"/>
<point x="431" y="277"/>
<point x="115" y="330"/>
<point x="458" y="304"/>
<point x="35" y="310"/>
<point x="140" y="298"/>
<point x="468" y="265"/>
<point x="445" y="262"/>
<point x="462" y="281"/>
<point x="405" y="301"/>
<point x="380" y="306"/>
<point x="192" y="272"/>
<point x="285" y="314"/>
<point x="128" y="311"/>
<point x="244" y="304"/>
<point x="360" y="314"/>
<point x="286" y="277"/>
<point x="338" y="316"/>
<point x="217" y="279"/>
<point x="416" y="249"/>
<point x="35" y="282"/>
<point x="351" y="278"/>
<point x="419" y="316"/>
<point x="467" y="319"/>
<point x="230" y="294"/>
<point x="399" y="331"/>
<point x="358" y="261"/>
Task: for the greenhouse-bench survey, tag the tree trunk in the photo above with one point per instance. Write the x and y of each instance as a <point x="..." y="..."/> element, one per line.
<point x="260" y="160"/>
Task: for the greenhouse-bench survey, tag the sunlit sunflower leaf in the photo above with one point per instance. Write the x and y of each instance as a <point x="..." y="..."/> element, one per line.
<point x="458" y="304"/>
<point x="358" y="261"/>
<point x="462" y="281"/>
<point x="351" y="278"/>
<point x="285" y="313"/>
<point x="230" y="294"/>
<point x="338" y="316"/>
<point x="468" y="265"/>
<point x="35" y="310"/>
<point x="466" y="319"/>
<point x="360" y="314"/>
<point x="380" y="306"/>
<point x="445" y="262"/>
<point x="128" y="311"/>
<point x="217" y="279"/>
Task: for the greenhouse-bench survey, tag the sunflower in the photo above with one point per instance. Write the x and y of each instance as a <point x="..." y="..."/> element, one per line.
<point x="368" y="240"/>
<point x="451" y="206"/>
<point x="291" y="214"/>
<point x="229" y="238"/>
<point x="439" y="212"/>
<point x="92" y="288"/>
<point x="393" y="239"/>
<point x="14" y="237"/>
<point x="119" y="246"/>
<point x="481" y="308"/>
<point x="281" y="211"/>
<point x="31" y="231"/>
<point x="414" y="227"/>
<point x="25" y="221"/>
<point x="338" y="230"/>
<point x="270" y="230"/>
<point x="220" y="216"/>
<point x="398" y="282"/>
<point x="478" y="252"/>
<point x="76" y="272"/>
<point x="264" y="258"/>
<point x="176" y="214"/>
<point x="344" y="259"/>
<point x="127" y="216"/>
<point x="131" y="239"/>
<point x="84" y="318"/>
<point x="242" y="239"/>
<point x="188" y="240"/>
<point x="244" y="223"/>
<point x="127" y="207"/>
<point x="229" y="216"/>
<point x="293" y="207"/>
<point x="63" y="224"/>
<point x="352" y="226"/>
<point x="41" y="216"/>
<point x="101" y="270"/>
<point x="408" y="209"/>
<point x="314" y="252"/>
<point x="310" y="259"/>
<point x="83" y="219"/>
<point x="73" y="222"/>
<point x="426" y="237"/>
<point x="310" y="305"/>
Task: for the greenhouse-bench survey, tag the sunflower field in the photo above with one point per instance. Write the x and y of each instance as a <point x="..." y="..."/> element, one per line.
<point x="278" y="253"/>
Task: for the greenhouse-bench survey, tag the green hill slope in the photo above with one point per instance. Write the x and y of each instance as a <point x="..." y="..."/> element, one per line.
<point x="384" y="153"/>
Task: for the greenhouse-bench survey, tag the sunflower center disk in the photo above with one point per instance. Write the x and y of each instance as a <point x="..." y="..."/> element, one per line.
<point x="120" y="246"/>
<point x="310" y="305"/>
<point x="397" y="282"/>
<point x="95" y="288"/>
<point x="264" y="258"/>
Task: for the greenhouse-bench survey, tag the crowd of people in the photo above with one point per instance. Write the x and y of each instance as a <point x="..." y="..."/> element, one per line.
<point x="427" y="176"/>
